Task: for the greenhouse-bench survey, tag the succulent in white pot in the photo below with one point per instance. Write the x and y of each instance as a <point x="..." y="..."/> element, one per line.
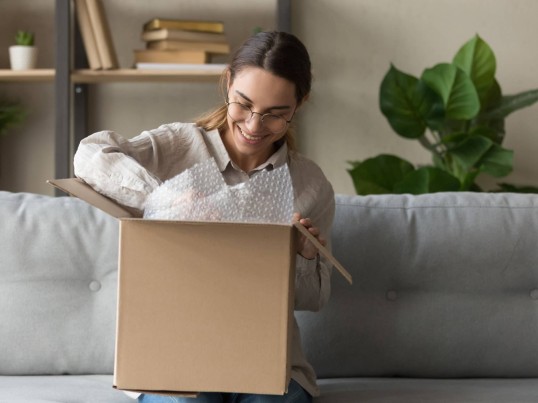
<point x="23" y="55"/>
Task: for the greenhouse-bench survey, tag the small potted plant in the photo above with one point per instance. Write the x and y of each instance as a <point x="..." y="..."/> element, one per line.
<point x="23" y="55"/>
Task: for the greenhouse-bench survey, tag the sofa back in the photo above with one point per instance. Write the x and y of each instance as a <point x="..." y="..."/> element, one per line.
<point x="445" y="285"/>
<point x="58" y="274"/>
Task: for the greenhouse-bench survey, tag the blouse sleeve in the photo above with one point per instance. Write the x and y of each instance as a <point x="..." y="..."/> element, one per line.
<point x="313" y="277"/>
<point x="128" y="170"/>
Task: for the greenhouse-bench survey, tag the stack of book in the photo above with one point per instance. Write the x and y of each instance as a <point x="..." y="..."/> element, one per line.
<point x="171" y="43"/>
<point x="96" y="36"/>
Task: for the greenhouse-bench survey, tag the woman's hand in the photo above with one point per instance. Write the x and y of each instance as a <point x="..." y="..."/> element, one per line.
<point x="306" y="248"/>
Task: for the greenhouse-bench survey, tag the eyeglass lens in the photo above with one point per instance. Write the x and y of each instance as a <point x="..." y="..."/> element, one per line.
<point x="239" y="112"/>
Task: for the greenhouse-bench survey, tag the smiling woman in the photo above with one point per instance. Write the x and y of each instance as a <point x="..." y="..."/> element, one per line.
<point x="267" y="81"/>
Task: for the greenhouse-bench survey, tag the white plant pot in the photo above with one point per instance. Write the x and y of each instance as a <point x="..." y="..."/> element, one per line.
<point x="23" y="57"/>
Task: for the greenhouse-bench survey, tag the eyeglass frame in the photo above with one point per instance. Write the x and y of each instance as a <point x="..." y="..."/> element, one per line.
<point x="227" y="102"/>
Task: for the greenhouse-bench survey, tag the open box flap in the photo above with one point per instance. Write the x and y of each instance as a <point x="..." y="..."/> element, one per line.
<point x="77" y="187"/>
<point x="324" y="251"/>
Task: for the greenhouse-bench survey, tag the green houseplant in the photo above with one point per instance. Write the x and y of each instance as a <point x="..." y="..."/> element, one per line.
<point x="456" y="111"/>
<point x="11" y="114"/>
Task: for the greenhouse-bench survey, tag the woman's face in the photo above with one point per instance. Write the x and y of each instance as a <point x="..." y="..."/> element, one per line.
<point x="248" y="141"/>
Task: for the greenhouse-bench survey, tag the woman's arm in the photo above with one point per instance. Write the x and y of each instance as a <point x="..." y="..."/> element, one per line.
<point x="313" y="276"/>
<point x="127" y="170"/>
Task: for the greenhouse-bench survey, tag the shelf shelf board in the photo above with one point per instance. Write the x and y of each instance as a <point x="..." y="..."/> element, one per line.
<point x="36" y="75"/>
<point x="103" y="76"/>
<point x="135" y="75"/>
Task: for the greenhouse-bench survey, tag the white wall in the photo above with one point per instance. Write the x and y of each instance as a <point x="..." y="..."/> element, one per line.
<point x="352" y="43"/>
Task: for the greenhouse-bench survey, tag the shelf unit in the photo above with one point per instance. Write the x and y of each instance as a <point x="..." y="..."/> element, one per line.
<point x="71" y="80"/>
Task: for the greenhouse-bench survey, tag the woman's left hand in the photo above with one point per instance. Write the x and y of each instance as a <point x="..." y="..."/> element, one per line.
<point x="306" y="248"/>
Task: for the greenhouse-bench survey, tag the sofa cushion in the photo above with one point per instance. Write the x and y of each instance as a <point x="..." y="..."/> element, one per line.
<point x="401" y="390"/>
<point x="445" y="285"/>
<point x="58" y="270"/>
<point x="60" y="389"/>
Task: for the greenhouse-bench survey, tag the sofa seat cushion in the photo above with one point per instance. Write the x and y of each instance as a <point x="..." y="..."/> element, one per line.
<point x="413" y="390"/>
<point x="60" y="389"/>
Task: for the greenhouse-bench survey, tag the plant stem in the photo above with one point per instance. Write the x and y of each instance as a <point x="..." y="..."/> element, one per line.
<point x="428" y="145"/>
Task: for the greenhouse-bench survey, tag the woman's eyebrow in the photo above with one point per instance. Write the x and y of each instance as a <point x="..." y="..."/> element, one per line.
<point x="249" y="100"/>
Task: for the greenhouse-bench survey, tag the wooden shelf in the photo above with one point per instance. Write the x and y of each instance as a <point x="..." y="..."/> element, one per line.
<point x="133" y="75"/>
<point x="110" y="76"/>
<point x="36" y="75"/>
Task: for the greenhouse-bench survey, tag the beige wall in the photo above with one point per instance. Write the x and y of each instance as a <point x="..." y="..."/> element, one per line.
<point x="352" y="43"/>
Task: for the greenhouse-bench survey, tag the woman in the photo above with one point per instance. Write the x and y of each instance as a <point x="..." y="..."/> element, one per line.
<point x="268" y="80"/>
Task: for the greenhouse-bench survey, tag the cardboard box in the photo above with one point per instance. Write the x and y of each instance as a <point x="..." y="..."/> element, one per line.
<point x="202" y="306"/>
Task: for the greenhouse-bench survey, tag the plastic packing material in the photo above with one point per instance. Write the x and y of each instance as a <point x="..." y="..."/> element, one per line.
<point x="201" y="194"/>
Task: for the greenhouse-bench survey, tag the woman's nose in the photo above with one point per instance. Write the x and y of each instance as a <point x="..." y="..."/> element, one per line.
<point x="254" y="124"/>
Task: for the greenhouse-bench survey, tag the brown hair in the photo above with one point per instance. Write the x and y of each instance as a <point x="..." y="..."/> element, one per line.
<point x="279" y="53"/>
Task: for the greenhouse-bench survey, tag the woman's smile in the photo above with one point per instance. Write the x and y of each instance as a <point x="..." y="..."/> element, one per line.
<point x="251" y="139"/>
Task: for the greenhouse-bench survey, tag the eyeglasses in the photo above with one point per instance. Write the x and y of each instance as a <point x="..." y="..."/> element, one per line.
<point x="274" y="123"/>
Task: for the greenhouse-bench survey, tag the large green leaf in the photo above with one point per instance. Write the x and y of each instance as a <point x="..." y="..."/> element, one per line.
<point x="453" y="139"/>
<point x="480" y="153"/>
<point x="477" y="60"/>
<point x="497" y="162"/>
<point x="492" y="97"/>
<point x="427" y="180"/>
<point x="512" y="103"/>
<point x="406" y="103"/>
<point x="470" y="151"/>
<point x="485" y="131"/>
<point x="378" y="175"/>
<point x="455" y="88"/>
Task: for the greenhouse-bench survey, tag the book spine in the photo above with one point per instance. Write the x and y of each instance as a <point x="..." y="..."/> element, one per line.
<point x="102" y="33"/>
<point x="88" y="38"/>
<point x="170" y="56"/>
<point x="182" y="35"/>
<point x="199" y="26"/>
<point x="210" y="68"/>
<point x="209" y="47"/>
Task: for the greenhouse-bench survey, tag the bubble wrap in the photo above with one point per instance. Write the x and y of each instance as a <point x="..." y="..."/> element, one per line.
<point x="201" y="194"/>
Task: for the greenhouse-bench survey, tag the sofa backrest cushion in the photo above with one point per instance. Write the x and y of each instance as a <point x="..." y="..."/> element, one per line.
<point x="445" y="285"/>
<point x="58" y="276"/>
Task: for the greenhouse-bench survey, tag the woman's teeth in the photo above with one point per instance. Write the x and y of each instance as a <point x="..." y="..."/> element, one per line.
<point x="249" y="137"/>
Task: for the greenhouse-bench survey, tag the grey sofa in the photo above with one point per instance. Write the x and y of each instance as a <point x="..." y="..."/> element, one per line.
<point x="444" y="306"/>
